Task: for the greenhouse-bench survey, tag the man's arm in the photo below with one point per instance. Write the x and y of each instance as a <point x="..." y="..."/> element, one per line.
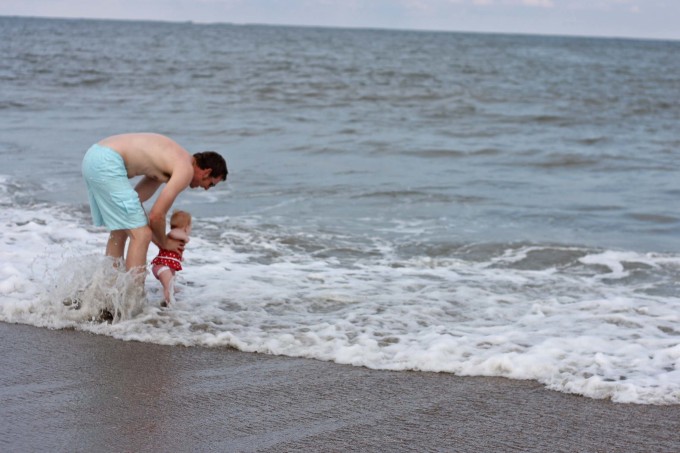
<point x="146" y="187"/>
<point x="180" y="180"/>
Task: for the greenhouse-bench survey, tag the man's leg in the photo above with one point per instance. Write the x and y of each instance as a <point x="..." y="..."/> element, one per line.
<point x="140" y="238"/>
<point x="115" y="247"/>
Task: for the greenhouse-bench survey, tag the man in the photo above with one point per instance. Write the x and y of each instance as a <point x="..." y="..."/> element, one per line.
<point x="109" y="164"/>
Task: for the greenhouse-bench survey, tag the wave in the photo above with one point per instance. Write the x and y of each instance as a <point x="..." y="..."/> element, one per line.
<point x="600" y="323"/>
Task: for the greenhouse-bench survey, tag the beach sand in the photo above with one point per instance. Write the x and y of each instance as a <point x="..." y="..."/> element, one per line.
<point x="73" y="391"/>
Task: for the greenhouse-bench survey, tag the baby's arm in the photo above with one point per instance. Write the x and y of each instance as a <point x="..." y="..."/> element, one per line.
<point x="178" y="234"/>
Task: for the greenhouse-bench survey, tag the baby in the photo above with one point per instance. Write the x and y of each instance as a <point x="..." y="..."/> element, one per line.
<point x="167" y="263"/>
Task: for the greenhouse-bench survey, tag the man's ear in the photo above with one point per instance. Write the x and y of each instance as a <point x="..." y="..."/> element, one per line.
<point x="205" y="172"/>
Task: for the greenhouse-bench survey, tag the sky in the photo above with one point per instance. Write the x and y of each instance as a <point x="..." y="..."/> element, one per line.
<point x="650" y="19"/>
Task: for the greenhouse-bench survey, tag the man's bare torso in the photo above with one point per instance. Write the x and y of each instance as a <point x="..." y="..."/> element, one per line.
<point x="151" y="155"/>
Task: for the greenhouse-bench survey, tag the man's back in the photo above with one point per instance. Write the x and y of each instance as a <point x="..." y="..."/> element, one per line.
<point x="151" y="155"/>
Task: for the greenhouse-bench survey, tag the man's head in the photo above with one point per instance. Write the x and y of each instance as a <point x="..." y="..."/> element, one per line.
<point x="209" y="169"/>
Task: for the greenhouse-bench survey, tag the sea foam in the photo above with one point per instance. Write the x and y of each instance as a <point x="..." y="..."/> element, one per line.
<point x="600" y="323"/>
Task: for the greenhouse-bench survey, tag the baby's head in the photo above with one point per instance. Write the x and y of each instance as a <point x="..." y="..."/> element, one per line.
<point x="181" y="220"/>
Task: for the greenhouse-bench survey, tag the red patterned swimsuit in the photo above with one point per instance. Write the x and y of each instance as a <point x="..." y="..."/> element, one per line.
<point x="167" y="258"/>
<point x="173" y="260"/>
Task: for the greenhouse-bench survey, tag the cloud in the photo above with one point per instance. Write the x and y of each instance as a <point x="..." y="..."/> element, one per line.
<point x="539" y="3"/>
<point x="421" y="5"/>
<point x="530" y="3"/>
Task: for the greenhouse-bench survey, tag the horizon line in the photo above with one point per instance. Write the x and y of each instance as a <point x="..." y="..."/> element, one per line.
<point x="342" y="27"/>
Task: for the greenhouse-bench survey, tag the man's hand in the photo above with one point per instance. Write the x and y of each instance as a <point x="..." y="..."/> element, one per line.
<point x="179" y="180"/>
<point x="173" y="245"/>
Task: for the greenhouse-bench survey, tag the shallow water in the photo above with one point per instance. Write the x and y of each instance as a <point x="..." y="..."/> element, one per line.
<point x="477" y="204"/>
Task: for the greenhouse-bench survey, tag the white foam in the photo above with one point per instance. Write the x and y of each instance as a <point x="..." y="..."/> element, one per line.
<point x="590" y="326"/>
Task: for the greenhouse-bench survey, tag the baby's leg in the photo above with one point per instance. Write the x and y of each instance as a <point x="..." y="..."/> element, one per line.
<point x="167" y="278"/>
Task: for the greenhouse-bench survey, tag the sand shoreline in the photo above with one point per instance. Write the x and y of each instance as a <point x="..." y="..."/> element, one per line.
<point x="74" y="391"/>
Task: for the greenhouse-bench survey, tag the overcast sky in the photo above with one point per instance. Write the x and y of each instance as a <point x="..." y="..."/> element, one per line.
<point x="616" y="18"/>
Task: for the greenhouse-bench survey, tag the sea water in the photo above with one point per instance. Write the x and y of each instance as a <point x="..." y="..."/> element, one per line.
<point x="484" y="205"/>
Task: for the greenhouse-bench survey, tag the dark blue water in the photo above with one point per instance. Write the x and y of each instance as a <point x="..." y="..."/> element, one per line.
<point x="467" y="203"/>
<point x="481" y="137"/>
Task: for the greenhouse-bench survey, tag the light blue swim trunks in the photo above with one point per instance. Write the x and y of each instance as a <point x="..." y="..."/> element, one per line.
<point x="113" y="201"/>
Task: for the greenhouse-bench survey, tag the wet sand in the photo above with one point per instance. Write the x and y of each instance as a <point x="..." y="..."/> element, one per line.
<point x="73" y="391"/>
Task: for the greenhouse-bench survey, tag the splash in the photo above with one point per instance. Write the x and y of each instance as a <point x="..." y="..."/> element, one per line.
<point x="596" y="322"/>
<point x="94" y="288"/>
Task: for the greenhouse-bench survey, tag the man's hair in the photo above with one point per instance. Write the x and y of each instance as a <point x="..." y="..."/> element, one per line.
<point x="214" y="161"/>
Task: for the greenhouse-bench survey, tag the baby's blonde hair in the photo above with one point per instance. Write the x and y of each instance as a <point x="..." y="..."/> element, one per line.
<point x="180" y="219"/>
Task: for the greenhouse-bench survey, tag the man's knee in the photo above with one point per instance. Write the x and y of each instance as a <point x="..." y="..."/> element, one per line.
<point x="118" y="236"/>
<point x="115" y="246"/>
<point x="141" y="235"/>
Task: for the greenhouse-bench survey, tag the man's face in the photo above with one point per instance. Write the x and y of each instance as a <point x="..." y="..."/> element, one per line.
<point x="203" y="179"/>
<point x="210" y="182"/>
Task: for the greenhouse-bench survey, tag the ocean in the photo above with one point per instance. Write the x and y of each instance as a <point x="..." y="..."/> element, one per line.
<point x="477" y="204"/>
